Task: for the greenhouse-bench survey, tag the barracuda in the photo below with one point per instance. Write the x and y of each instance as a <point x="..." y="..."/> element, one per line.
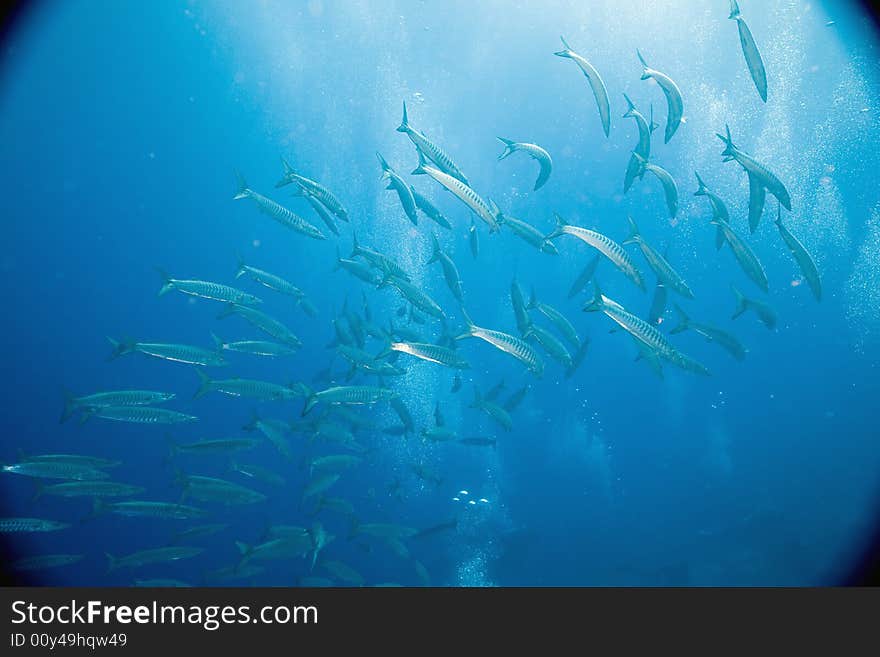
<point x="750" y="51"/>
<point x="674" y="103"/>
<point x="658" y="263"/>
<point x="178" y="353"/>
<point x="206" y="290"/>
<point x="643" y="148"/>
<point x="348" y="395"/>
<point x="278" y="212"/>
<point x="541" y="156"/>
<point x="314" y="189"/>
<point x="670" y="189"/>
<point x="743" y="254"/>
<point x="719" y="209"/>
<point x="565" y="327"/>
<point x="432" y="353"/>
<point x="761" y="174"/>
<point x="269" y="325"/>
<point x="403" y="189"/>
<point x="266" y="279"/>
<point x="596" y="83"/>
<point x="802" y="257"/>
<point x="431" y="150"/>
<point x="450" y="271"/>
<point x="712" y="333"/>
<point x="519" y="349"/>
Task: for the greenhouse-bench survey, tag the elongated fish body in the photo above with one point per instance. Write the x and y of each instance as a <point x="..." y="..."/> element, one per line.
<point x="274" y="431"/>
<point x="450" y="271"/>
<point x="474" y="239"/>
<point x="17" y="525"/>
<point x="528" y="233"/>
<point x="584" y="277"/>
<point x="55" y="470"/>
<point x="358" y="269"/>
<point x="207" y="290"/>
<point x="219" y="446"/>
<point x="322" y="212"/>
<point x="403" y="413"/>
<point x="319" y="484"/>
<point x="643" y="148"/>
<point x="44" y="561"/>
<point x="403" y="189"/>
<point x="493" y="410"/>
<point x="484" y="211"/>
<point x="658" y="304"/>
<point x="606" y="246"/>
<point x="757" y="197"/>
<point x="537" y="153"/>
<point x="763" y="310"/>
<point x="643" y="332"/>
<point x="520" y="312"/>
<point x="746" y="258"/>
<point x="269" y="325"/>
<point x="430" y="149"/>
<point x="415" y="296"/>
<point x="719" y="209"/>
<point x="312" y="188"/>
<point x="750" y="51"/>
<point x="113" y="398"/>
<point x="674" y="103"/>
<point x="251" y="388"/>
<point x="658" y="263"/>
<point x="516" y="347"/>
<point x="210" y="489"/>
<point x="178" y="353"/>
<point x="279" y="213"/>
<point x="551" y="344"/>
<point x="803" y="258"/>
<point x="753" y="167"/>
<point x="429" y="209"/>
<point x="138" y="415"/>
<point x="349" y="395"/>
<point x="255" y="347"/>
<point x="138" y="509"/>
<point x="334" y="463"/>
<point x="670" y="189"/>
<point x="432" y="353"/>
<point x="269" y="280"/>
<point x="596" y="84"/>
<point x="90" y="489"/>
<point x="378" y="260"/>
<point x="712" y="333"/>
<point x="155" y="555"/>
<point x="93" y="462"/>
<point x="560" y="321"/>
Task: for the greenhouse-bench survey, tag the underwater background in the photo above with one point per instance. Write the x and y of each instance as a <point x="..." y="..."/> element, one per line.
<point x="122" y="124"/>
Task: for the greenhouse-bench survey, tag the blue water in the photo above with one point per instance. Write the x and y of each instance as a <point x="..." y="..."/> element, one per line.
<point x="122" y="123"/>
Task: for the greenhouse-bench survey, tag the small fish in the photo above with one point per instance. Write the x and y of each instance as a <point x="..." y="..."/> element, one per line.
<point x="763" y="310"/>
<point x="606" y="246"/>
<point x="44" y="561"/>
<point x="113" y="398"/>
<point x="674" y="103"/>
<point x="218" y="446"/>
<point x="541" y="156"/>
<point x="357" y="269"/>
<point x="584" y="277"/>
<point x="178" y="353"/>
<point x="518" y="303"/>
<point x="430" y="149"/>
<point x="664" y="271"/>
<point x="16" y="525"/>
<point x="79" y="460"/>
<point x="596" y="84"/>
<point x="377" y="259"/>
<point x="550" y="343"/>
<point x="403" y="189"/>
<point x="155" y="555"/>
<point x="802" y="257"/>
<point x="750" y="51"/>
<point x="312" y="188"/>
<point x="207" y="290"/>
<point x="670" y="189"/>
<point x="429" y="209"/>
<point x="712" y="333"/>
<point x="516" y="347"/>
<point x="414" y="295"/>
<point x="278" y="212"/>
<point x="450" y="271"/>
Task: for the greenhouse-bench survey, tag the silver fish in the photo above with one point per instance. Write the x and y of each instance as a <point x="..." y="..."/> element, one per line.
<point x="17" y="525"/>
<point x="712" y="333"/>
<point x="403" y="189"/>
<point x="670" y="189"/>
<point x="519" y="349"/>
<point x="674" y="103"/>
<point x="430" y="149"/>
<point x="429" y="209"/>
<point x="762" y="309"/>
<point x="155" y="555"/>
<point x="541" y="156"/>
<point x="750" y="51"/>
<point x="138" y="414"/>
<point x="528" y="233"/>
<point x="269" y="325"/>
<point x="312" y="188"/>
<point x="266" y="279"/>
<point x="565" y="327"/>
<point x="254" y="347"/>
<point x="596" y="83"/>
<point x="657" y="262"/>
<point x="719" y="209"/>
<point x="178" y="353"/>
<point x="743" y="254"/>
<point x="432" y="353"/>
<point x="802" y="257"/>
<point x="584" y="277"/>
<point x="643" y="148"/>
<point x="251" y="388"/>
<point x="206" y="290"/>
<point x="112" y="398"/>
<point x="753" y="167"/>
<point x="278" y="212"/>
<point x="450" y="271"/>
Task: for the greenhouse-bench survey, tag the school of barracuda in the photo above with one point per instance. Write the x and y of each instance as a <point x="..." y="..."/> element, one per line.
<point x="376" y="351"/>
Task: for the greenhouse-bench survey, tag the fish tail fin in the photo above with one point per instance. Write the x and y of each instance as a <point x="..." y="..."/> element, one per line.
<point x="508" y="147"/>
<point x="470" y="325"/>
<point x="285" y="179"/>
<point x="384" y="164"/>
<point x="558" y="230"/>
<point x="242" y="267"/>
<point x="404" y="122"/>
<point x="69" y="405"/>
<point x="701" y="186"/>
<point x="533" y="299"/>
<point x="630" y="107"/>
<point x="566" y="51"/>
<point x="652" y="124"/>
<point x="241" y="188"/>
<point x="112" y="562"/>
<point x="741" y="302"/>
<point x="218" y="342"/>
<point x="420" y="169"/>
<point x="120" y="347"/>
<point x="204" y="384"/>
<point x="645" y="74"/>
<point x="311" y="400"/>
<point x="435" y="254"/>
<point x="734" y="10"/>
<point x="167" y="284"/>
<point x="634" y="235"/>
<point x="683" y="320"/>
<point x="597" y="303"/>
